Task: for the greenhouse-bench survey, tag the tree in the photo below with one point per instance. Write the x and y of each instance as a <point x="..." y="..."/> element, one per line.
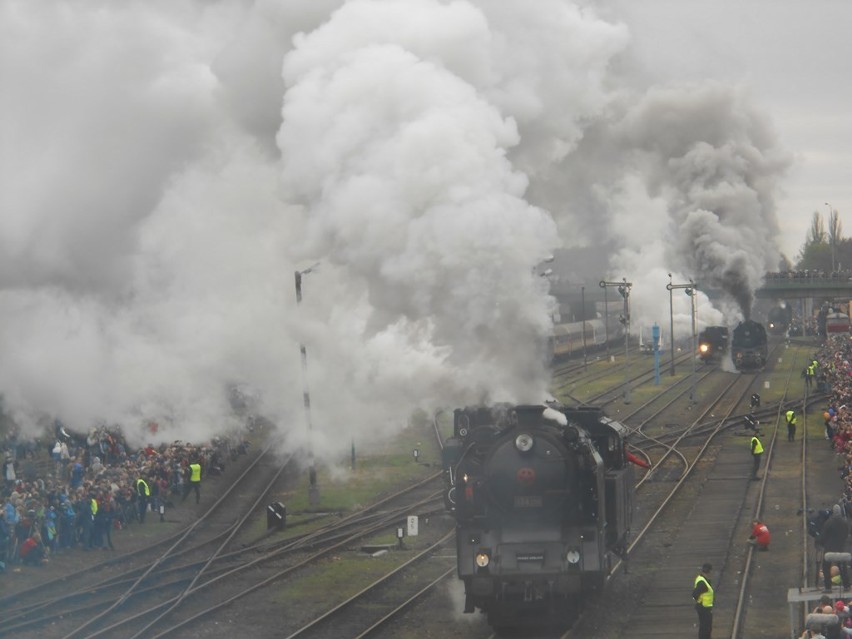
<point x="815" y="254"/>
<point x="816" y="234"/>
<point x="844" y="255"/>
<point x="835" y="235"/>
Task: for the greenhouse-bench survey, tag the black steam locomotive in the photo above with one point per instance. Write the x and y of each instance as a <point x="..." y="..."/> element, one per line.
<point x="712" y="343"/>
<point x="779" y="319"/>
<point x="542" y="497"/>
<point x="749" y="348"/>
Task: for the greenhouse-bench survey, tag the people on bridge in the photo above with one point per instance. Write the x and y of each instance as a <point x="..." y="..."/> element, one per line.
<point x="756" y="454"/>
<point x="703" y="594"/>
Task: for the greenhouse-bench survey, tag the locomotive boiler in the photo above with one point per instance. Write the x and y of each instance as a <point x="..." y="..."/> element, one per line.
<point x="749" y="347"/>
<point x="542" y="497"/>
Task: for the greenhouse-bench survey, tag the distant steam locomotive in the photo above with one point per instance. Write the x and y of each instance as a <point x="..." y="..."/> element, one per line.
<point x="712" y="343"/>
<point x="779" y="319"/>
<point x="749" y="348"/>
<point x="542" y="497"/>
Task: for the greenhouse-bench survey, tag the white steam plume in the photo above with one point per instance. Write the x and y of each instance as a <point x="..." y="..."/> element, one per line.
<point x="168" y="165"/>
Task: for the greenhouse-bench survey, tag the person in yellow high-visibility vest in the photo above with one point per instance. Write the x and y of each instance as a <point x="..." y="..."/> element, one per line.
<point x="703" y="594"/>
<point x="756" y="454"/>
<point x="143" y="494"/>
<point x="193" y="481"/>
<point x="792" y="421"/>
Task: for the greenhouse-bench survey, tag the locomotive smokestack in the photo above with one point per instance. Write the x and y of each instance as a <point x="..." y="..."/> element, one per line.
<point x="529" y="416"/>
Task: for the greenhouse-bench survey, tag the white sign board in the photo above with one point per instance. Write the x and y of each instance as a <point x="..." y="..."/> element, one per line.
<point x="412" y="525"/>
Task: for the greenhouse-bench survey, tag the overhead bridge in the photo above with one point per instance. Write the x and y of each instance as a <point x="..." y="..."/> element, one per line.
<point x="786" y="286"/>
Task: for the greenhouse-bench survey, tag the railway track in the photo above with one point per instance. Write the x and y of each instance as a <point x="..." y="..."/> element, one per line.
<point x="703" y="517"/>
<point x="580" y="389"/>
<point x="706" y="455"/>
<point x="373" y="607"/>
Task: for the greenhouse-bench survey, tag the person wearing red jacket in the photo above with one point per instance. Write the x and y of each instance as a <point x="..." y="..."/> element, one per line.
<point x="32" y="551"/>
<point x="759" y="535"/>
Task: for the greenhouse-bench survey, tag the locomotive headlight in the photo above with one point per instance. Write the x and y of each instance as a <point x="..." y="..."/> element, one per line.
<point x="482" y="559"/>
<point x="703" y="348"/>
<point x="572" y="556"/>
<point x="523" y="442"/>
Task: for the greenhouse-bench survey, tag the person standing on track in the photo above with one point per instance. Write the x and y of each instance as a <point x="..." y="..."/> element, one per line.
<point x="754" y="401"/>
<point x="703" y="594"/>
<point x="756" y="454"/>
<point x="791" y="425"/>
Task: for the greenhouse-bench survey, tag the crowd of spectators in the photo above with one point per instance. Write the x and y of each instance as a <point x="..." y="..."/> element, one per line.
<point x="835" y="377"/>
<point x="810" y="274"/>
<point x="72" y="492"/>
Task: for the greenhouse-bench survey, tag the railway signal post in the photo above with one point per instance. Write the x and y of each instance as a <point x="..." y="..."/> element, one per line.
<point x="690" y="289"/>
<point x="313" y="488"/>
<point x="624" y="290"/>
<point x="671" y="326"/>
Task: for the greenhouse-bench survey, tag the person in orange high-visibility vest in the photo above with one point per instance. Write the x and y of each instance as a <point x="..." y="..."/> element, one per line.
<point x="704" y="594"/>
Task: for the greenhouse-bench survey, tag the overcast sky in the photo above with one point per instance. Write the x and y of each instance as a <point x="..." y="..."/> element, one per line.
<point x="794" y="57"/>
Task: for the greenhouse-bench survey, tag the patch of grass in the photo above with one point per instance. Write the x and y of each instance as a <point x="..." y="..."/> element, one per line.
<point x="338" y="577"/>
<point x="378" y="470"/>
<point x="792" y="359"/>
<point x="346" y="490"/>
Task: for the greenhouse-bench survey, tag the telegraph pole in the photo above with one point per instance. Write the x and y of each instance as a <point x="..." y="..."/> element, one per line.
<point x="313" y="488"/>
<point x="690" y="289"/>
